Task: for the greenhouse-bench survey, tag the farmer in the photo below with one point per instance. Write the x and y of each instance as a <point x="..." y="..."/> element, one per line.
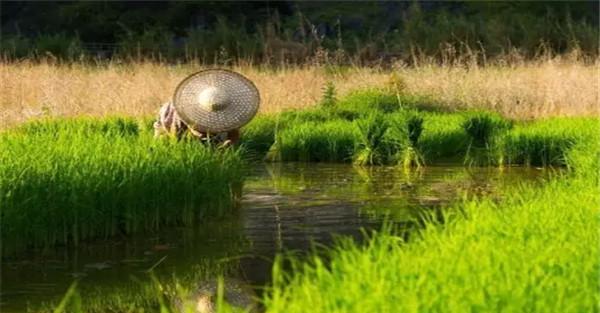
<point x="210" y="105"/>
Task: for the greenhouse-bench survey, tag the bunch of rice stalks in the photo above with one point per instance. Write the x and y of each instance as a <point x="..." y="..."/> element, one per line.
<point x="371" y="144"/>
<point x="484" y="131"/>
<point x="403" y="137"/>
<point x="328" y="99"/>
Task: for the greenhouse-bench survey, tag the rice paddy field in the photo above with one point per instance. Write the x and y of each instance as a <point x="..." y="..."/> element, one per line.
<point x="71" y="175"/>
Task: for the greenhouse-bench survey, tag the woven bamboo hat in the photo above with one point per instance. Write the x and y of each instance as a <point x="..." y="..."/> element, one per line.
<point x="216" y="100"/>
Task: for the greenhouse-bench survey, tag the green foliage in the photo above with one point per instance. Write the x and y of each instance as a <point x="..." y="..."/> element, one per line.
<point x="366" y="101"/>
<point x="549" y="142"/>
<point x="328" y="99"/>
<point x="259" y="135"/>
<point x="371" y="143"/>
<point x="443" y="137"/>
<point x="317" y="142"/>
<point x="65" y="181"/>
<point x="482" y="127"/>
<point x="58" y="46"/>
<point x="484" y="131"/>
<point x="403" y="136"/>
<point x="223" y="45"/>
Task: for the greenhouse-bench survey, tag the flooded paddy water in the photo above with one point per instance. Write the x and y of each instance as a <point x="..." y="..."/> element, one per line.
<point x="287" y="207"/>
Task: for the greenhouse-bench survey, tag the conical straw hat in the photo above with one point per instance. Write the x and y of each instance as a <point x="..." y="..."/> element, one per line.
<point x="216" y="100"/>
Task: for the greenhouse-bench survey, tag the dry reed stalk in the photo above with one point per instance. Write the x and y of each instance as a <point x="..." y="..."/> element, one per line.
<point x="529" y="89"/>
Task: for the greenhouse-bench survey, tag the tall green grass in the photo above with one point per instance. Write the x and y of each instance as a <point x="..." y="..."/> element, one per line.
<point x="536" y="251"/>
<point x="65" y="181"/>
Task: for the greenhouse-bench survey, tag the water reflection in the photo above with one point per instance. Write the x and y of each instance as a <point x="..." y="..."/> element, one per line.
<point x="284" y="207"/>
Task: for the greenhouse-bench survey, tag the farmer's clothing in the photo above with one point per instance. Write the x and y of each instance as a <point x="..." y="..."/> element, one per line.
<point x="169" y="122"/>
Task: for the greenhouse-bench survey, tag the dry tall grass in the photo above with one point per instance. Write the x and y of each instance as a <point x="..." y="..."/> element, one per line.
<point x="525" y="90"/>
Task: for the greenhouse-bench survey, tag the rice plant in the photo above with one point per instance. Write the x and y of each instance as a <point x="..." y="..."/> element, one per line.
<point x="367" y="101"/>
<point x="443" y="139"/>
<point x="548" y="142"/>
<point x="328" y="99"/>
<point x="74" y="180"/>
<point x="370" y="147"/>
<point x="484" y="130"/>
<point x="259" y="135"/>
<point x="408" y="129"/>
<point x="332" y="141"/>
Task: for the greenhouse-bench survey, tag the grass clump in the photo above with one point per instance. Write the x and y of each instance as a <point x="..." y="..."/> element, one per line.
<point x="548" y="142"/>
<point x="259" y="135"/>
<point x="403" y="134"/>
<point x="315" y="142"/>
<point x="328" y="100"/>
<point x="371" y="145"/>
<point x="62" y="182"/>
<point x="370" y="100"/>
<point x="484" y="131"/>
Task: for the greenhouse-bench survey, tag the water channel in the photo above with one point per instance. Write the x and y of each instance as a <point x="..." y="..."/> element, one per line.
<point x="289" y="207"/>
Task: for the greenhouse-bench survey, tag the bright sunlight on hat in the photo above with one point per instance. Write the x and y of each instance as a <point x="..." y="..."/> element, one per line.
<point x="216" y="100"/>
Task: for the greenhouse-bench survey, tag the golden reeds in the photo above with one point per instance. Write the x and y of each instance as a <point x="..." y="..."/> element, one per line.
<point x="549" y="87"/>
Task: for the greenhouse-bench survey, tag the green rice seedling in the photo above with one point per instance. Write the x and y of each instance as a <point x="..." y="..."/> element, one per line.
<point x="443" y="139"/>
<point x="331" y="141"/>
<point x="259" y="135"/>
<point x="403" y="134"/>
<point x="484" y="131"/>
<point x="328" y="99"/>
<point x="292" y="117"/>
<point x="371" y="144"/>
<point x="84" y="126"/>
<point x="368" y="101"/>
<point x="81" y="181"/>
<point x="548" y="142"/>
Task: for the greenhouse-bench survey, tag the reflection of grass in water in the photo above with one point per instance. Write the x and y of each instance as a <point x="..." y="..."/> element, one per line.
<point x="147" y="292"/>
<point x="65" y="181"/>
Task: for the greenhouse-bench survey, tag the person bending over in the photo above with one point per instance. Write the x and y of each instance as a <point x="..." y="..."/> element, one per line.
<point x="168" y="123"/>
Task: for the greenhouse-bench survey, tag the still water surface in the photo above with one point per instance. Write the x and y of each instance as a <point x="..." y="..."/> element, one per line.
<point x="284" y="208"/>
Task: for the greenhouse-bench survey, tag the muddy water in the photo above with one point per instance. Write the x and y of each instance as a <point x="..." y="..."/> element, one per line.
<point x="284" y="208"/>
